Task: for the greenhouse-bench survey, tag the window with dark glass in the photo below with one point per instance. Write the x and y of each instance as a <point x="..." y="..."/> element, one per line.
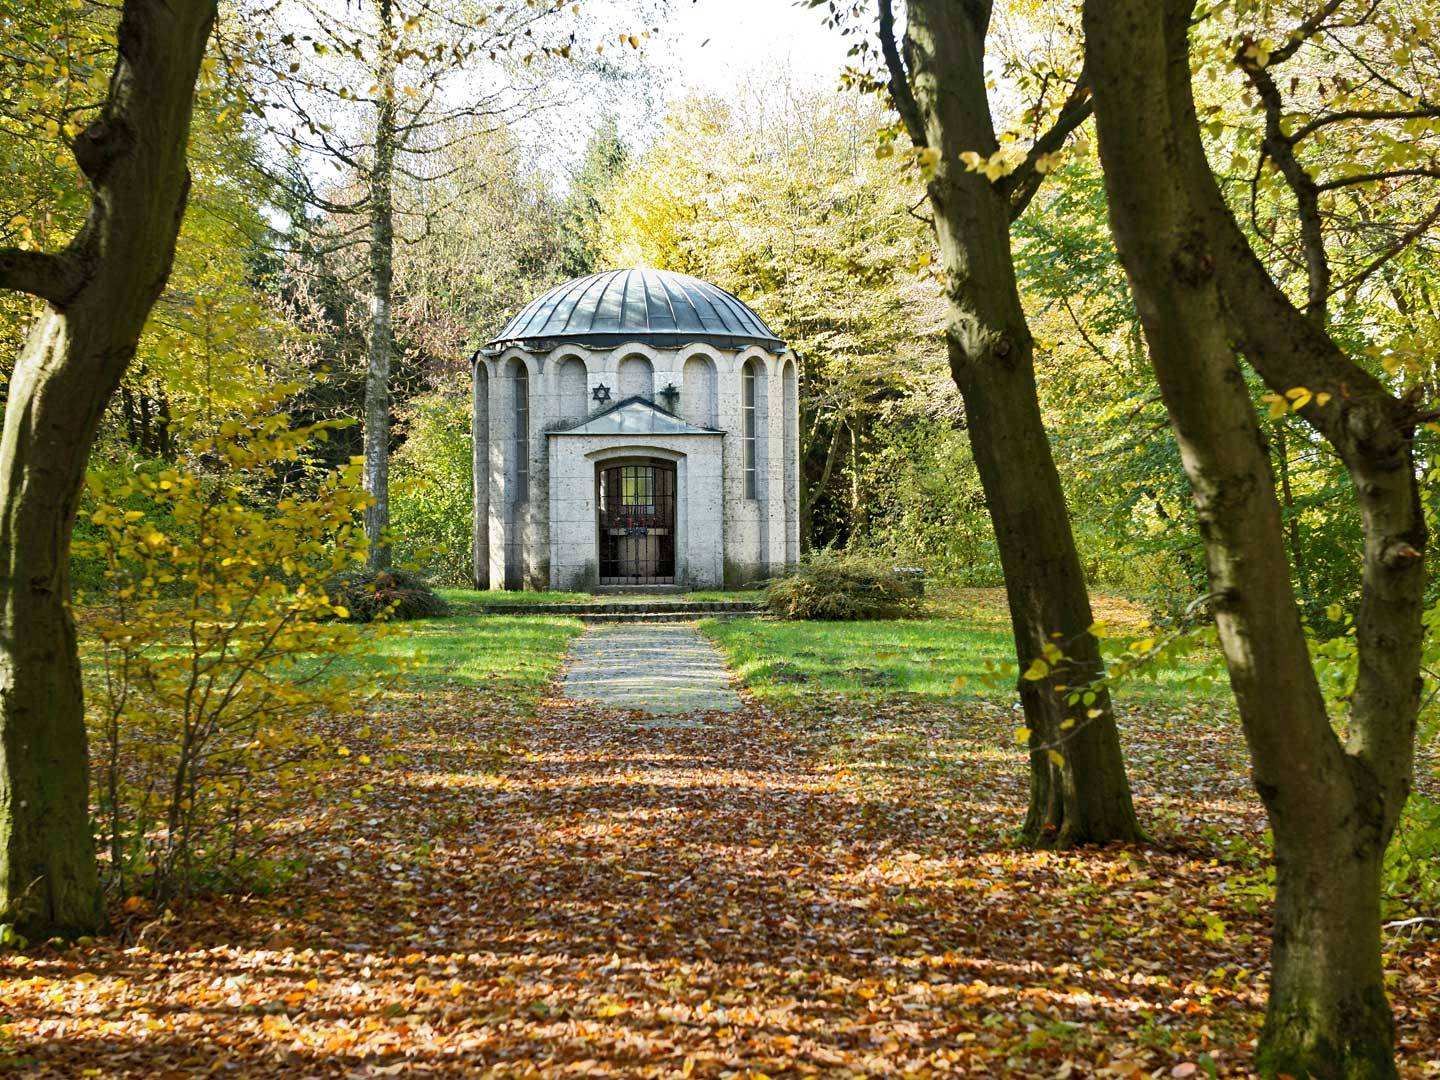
<point x="522" y="435"/>
<point x="747" y="426"/>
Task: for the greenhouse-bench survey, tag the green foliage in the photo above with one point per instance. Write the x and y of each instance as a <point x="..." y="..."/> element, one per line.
<point x="604" y="161"/>
<point x="782" y="200"/>
<point x="930" y="508"/>
<point x="56" y="58"/>
<point x="430" y="488"/>
<point x="216" y="643"/>
<point x="831" y="584"/>
<point x="1127" y="493"/>
<point x="1412" y="862"/>
<point x="384" y="595"/>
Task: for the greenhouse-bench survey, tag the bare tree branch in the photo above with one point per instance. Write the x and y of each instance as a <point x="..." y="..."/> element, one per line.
<point x="1362" y="114"/>
<point x="900" y="92"/>
<point x="52" y="278"/>
<point x="1388" y="174"/>
<point x="1281" y="149"/>
<point x="1304" y="32"/>
<point x="1022" y="184"/>
<point x="1405" y="240"/>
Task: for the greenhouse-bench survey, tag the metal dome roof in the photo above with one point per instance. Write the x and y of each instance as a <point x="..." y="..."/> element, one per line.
<point x="656" y="307"/>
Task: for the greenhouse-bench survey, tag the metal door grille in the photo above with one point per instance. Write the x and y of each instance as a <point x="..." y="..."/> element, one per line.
<point x="637" y="524"/>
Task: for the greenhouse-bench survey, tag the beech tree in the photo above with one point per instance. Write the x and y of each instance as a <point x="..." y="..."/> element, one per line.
<point x="96" y="294"/>
<point x="1333" y="783"/>
<point x="977" y="187"/>
<point x="391" y="97"/>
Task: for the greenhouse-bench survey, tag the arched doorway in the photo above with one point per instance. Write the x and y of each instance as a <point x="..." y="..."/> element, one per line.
<point x="636" y="501"/>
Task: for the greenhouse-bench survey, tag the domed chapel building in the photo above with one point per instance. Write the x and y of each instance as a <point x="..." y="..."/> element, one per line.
<point x="635" y="428"/>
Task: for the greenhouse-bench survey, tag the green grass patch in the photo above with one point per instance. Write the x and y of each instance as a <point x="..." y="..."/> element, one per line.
<point x="782" y="662"/>
<point x="513" y="656"/>
<point x="472" y="601"/>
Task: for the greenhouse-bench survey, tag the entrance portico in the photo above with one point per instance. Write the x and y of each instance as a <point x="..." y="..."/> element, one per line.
<point x="650" y="477"/>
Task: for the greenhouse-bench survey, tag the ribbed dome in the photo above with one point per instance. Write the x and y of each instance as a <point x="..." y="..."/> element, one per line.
<point x="656" y="307"/>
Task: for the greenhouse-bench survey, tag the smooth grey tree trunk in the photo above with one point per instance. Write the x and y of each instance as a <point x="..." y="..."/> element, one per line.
<point x="1084" y="797"/>
<point x="98" y="294"/>
<point x="381" y="352"/>
<point x="1200" y="293"/>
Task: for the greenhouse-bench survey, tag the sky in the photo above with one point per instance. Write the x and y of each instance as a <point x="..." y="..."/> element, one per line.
<point x="708" y="44"/>
<point x="701" y="47"/>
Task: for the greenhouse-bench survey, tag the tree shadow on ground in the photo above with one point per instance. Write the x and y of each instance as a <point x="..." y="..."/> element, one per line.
<point x="580" y="894"/>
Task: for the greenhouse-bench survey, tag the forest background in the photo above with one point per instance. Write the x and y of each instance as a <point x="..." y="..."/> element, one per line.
<point x="370" y="200"/>
<point x="782" y="188"/>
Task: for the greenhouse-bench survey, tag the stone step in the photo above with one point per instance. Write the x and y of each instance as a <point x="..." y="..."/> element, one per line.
<point x="688" y="608"/>
<point x="660" y="616"/>
<point x="639" y="590"/>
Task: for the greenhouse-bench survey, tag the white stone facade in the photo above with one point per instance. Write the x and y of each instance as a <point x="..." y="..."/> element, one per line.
<point x="542" y="441"/>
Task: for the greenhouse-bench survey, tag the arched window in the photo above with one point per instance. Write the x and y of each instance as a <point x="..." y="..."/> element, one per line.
<point x="522" y="434"/>
<point x="752" y="418"/>
<point x="789" y="398"/>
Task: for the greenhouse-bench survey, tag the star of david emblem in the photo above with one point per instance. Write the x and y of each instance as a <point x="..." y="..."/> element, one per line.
<point x="601" y="393"/>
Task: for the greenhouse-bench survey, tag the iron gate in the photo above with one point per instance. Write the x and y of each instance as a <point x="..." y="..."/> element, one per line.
<point x="637" y="524"/>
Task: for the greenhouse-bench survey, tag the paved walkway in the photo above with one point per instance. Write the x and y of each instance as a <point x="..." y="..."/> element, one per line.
<point x="659" y="668"/>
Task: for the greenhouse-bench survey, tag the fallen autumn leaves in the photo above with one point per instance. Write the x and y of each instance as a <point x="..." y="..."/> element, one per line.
<point x="827" y="891"/>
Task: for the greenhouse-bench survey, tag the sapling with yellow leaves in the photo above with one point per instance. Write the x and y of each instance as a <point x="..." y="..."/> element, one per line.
<point x="217" y="645"/>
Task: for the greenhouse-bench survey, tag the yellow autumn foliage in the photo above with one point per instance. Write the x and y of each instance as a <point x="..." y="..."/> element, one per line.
<point x="218" y="647"/>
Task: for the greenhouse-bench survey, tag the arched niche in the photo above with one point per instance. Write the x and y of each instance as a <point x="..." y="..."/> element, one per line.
<point x="572" y="389"/>
<point x="699" y="399"/>
<point x="635" y="377"/>
<point x="515" y="413"/>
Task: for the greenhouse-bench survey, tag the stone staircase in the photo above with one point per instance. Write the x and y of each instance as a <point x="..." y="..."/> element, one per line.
<point x="630" y="610"/>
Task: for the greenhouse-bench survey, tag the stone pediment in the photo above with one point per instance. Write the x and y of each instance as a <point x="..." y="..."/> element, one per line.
<point x="636" y="416"/>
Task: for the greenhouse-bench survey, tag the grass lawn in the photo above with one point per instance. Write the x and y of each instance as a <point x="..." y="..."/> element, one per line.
<point x="784" y="662"/>
<point x="470" y="599"/>
<point x="515" y="656"/>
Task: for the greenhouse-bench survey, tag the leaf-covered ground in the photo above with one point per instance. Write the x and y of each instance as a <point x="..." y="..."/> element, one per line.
<point x="825" y="891"/>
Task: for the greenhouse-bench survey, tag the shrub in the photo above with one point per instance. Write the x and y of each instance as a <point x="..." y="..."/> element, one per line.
<point x="837" y="585"/>
<point x="217" y="648"/>
<point x="368" y="595"/>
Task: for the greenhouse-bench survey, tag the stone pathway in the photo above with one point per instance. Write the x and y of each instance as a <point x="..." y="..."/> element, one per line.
<point x="659" y="668"/>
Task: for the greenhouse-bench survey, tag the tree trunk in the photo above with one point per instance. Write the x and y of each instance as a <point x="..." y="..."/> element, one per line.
<point x="382" y="277"/>
<point x="99" y="292"/>
<point x="1328" y="1016"/>
<point x="1079" y="793"/>
<point x="1198" y="289"/>
<point x="1084" y="797"/>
